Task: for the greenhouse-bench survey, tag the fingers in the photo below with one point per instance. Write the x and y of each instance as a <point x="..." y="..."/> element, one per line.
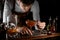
<point x="29" y="31"/>
<point x="41" y="25"/>
<point x="23" y="31"/>
<point x="26" y="31"/>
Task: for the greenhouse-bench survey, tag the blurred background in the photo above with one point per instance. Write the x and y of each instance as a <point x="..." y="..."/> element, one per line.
<point x="47" y="10"/>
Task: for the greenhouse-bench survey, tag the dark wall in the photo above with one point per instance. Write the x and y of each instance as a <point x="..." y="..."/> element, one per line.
<point x="47" y="9"/>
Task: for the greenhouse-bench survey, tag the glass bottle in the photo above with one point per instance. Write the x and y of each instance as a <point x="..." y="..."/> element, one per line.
<point x="49" y="24"/>
<point x="52" y="28"/>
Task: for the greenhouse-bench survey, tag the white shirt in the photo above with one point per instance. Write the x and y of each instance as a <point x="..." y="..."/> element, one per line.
<point x="8" y="6"/>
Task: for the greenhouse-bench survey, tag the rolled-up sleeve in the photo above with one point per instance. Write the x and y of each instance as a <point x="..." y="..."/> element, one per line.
<point x="6" y="11"/>
<point x="36" y="10"/>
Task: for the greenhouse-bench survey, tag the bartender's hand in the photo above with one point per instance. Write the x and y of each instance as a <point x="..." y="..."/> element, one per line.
<point x="41" y="24"/>
<point x="24" y="30"/>
<point x="32" y="23"/>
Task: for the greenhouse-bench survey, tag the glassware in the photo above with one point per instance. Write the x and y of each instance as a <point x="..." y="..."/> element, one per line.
<point x="30" y="23"/>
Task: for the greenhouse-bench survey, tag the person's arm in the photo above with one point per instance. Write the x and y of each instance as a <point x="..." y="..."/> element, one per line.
<point x="36" y="10"/>
<point x="6" y="11"/>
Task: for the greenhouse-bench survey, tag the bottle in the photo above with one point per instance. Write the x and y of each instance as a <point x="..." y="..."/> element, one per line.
<point x="48" y="27"/>
<point x="52" y="28"/>
<point x="49" y="24"/>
